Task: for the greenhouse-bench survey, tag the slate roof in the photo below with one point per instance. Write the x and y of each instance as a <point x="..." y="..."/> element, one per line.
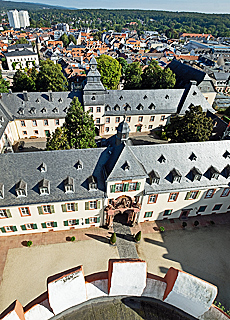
<point x="16" y="53"/>
<point x="221" y="76"/>
<point x="20" y="46"/>
<point x="13" y="102"/>
<point x="60" y="164"/>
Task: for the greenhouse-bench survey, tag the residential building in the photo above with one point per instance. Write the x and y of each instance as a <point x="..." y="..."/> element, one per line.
<point x="18" y="19"/>
<point x="20" y="59"/>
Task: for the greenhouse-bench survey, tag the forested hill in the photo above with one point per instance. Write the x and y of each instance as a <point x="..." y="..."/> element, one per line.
<point x="11" y="5"/>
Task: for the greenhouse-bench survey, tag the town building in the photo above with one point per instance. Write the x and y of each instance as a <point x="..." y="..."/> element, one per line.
<point x="21" y="56"/>
<point x="18" y="19"/>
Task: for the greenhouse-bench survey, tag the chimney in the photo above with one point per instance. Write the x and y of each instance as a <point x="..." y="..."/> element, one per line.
<point x="50" y="95"/>
<point x="25" y="95"/>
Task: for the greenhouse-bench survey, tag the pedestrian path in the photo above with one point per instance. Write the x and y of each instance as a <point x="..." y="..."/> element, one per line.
<point x="125" y="241"/>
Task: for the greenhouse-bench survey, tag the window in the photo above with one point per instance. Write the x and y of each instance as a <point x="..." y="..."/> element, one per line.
<point x="29" y="226"/>
<point x="47" y="133"/>
<point x="167" y="212"/>
<point x="148" y="214"/>
<point x="90" y="109"/>
<point x="152" y="118"/>
<point x="107" y="129"/>
<point x="92" y="220"/>
<point x="35" y="131"/>
<point x="34" y="123"/>
<point x="117" y="119"/>
<point x="140" y="119"/>
<point x="150" y="126"/>
<point x="217" y="207"/>
<point x="119" y="187"/>
<point x="93" y="204"/>
<point x="107" y="120"/>
<point x="173" y="196"/>
<point x="132" y="186"/>
<point x="44" y="191"/>
<point x="72" y="222"/>
<point x="23" y="124"/>
<point x="210" y="193"/>
<point x="49" y="224"/>
<point x="24" y="132"/>
<point x="3" y="213"/>
<point x="162" y="118"/>
<point x="225" y="192"/>
<point x="46" y="209"/>
<point x="69" y="188"/>
<point x="192" y="195"/>
<point x="152" y="198"/>
<point x="98" y="120"/>
<point x="202" y="209"/>
<point x="46" y="123"/>
<point x="70" y="206"/>
<point x="56" y="122"/>
<point x="98" y="109"/>
<point x="21" y="192"/>
<point x="128" y="119"/>
<point x="24" y="211"/>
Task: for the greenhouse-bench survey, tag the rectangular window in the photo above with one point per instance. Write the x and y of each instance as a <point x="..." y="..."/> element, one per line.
<point x="173" y="196"/>
<point x="119" y="187"/>
<point x="107" y="129"/>
<point x="46" y="123"/>
<point x="24" y="211"/>
<point x="217" y="207"/>
<point x="107" y="120"/>
<point x="57" y="122"/>
<point x="202" y="209"/>
<point x="23" y="124"/>
<point x="210" y="193"/>
<point x="192" y="195"/>
<point x="93" y="204"/>
<point x="90" y="109"/>
<point x="3" y="213"/>
<point x="35" y="131"/>
<point x="162" y="118"/>
<point x="49" y="224"/>
<point x="140" y="119"/>
<point x="29" y="226"/>
<point x="148" y="214"/>
<point x="98" y="109"/>
<point x="72" y="222"/>
<point x="150" y="126"/>
<point x="47" y="133"/>
<point x="24" y="132"/>
<point x="98" y="120"/>
<point x="34" y="123"/>
<point x="44" y="191"/>
<point x="132" y="186"/>
<point x="167" y="212"/>
<point x="152" y="118"/>
<point x="128" y="119"/>
<point x="153" y="198"/>
<point x="46" y="209"/>
<point x="225" y="192"/>
<point x="70" y="206"/>
<point x="117" y="119"/>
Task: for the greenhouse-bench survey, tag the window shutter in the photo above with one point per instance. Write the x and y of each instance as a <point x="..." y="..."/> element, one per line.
<point x="188" y="195"/>
<point x="66" y="223"/>
<point x="54" y="224"/>
<point x="98" y="204"/>
<point x="98" y="219"/>
<point x="126" y="187"/>
<point x="8" y="213"/>
<point x="23" y="227"/>
<point x="87" y="221"/>
<point x="138" y="186"/>
<point x="52" y="209"/>
<point x="35" y="226"/>
<point x="76" y="206"/>
<point x="44" y="225"/>
<point x="86" y="205"/>
<point x="3" y="229"/>
<point x="14" y="228"/>
<point x="113" y="187"/>
<point x="64" y="209"/>
<point x="198" y="194"/>
<point x="40" y="211"/>
<point x="77" y="221"/>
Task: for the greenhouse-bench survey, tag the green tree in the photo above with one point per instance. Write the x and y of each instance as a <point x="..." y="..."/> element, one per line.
<point x="64" y="38"/>
<point x="4" y="85"/>
<point x="193" y="126"/>
<point x="22" y="82"/>
<point x="21" y="41"/>
<point x="72" y="39"/>
<point x="133" y="76"/>
<point x="79" y="127"/>
<point x="97" y="35"/>
<point x="32" y="73"/>
<point x="50" y="77"/>
<point x="58" y="140"/>
<point x="124" y="65"/>
<point x="110" y="71"/>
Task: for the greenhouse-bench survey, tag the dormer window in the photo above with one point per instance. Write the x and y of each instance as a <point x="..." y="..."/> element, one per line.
<point x="92" y="183"/>
<point x="126" y="166"/>
<point x="43" y="167"/>
<point x="69" y="185"/>
<point x="79" y="165"/>
<point x="60" y="100"/>
<point x="162" y="159"/>
<point x="194" y="93"/>
<point x="44" y="187"/>
<point x="93" y="98"/>
<point x="154" y="177"/>
<point x="140" y="107"/>
<point x="152" y="106"/>
<point x="196" y="174"/>
<point x="55" y="110"/>
<point x="1" y="119"/>
<point x="227" y="171"/>
<point x="167" y="96"/>
<point x="145" y="97"/>
<point x="65" y="110"/>
<point x="37" y="100"/>
<point x="21" y="189"/>
<point x="214" y="173"/>
<point x="33" y="110"/>
<point x="127" y="107"/>
<point x="176" y="175"/>
<point x="107" y="108"/>
<point x="117" y="108"/>
<point x="121" y="98"/>
<point x="226" y="154"/>
<point x="20" y="111"/>
<point x="193" y="157"/>
<point x="1" y="191"/>
<point x="44" y="110"/>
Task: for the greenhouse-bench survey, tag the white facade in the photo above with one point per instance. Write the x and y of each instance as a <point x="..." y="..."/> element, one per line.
<point x="18" y="19"/>
<point x="24" y="19"/>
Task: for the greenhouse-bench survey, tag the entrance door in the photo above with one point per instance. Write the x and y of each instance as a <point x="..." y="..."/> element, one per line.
<point x="184" y="214"/>
<point x="47" y="133"/>
<point x="138" y="128"/>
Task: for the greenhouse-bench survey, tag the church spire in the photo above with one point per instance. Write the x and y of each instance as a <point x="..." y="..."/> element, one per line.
<point x="93" y="77"/>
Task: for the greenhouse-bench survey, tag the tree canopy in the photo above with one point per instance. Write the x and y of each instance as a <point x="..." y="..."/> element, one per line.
<point x="110" y="71"/>
<point x="78" y="131"/>
<point x="21" y="41"/>
<point x="4" y="85"/>
<point x="124" y="65"/>
<point x="193" y="126"/>
<point x="23" y="82"/>
<point x="133" y="76"/>
<point x="64" y="38"/>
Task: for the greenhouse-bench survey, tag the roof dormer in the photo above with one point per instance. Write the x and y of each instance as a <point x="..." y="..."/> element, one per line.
<point x="43" y="167"/>
<point x="176" y="175"/>
<point x="140" y="106"/>
<point x="79" y="165"/>
<point x="126" y="166"/>
<point x="1" y="191"/>
<point x="162" y="159"/>
<point x="154" y="177"/>
<point x="193" y="157"/>
<point x="196" y="174"/>
<point x="33" y="110"/>
<point x="21" y="189"/>
<point x="227" y="171"/>
<point x="214" y="173"/>
<point x="55" y="110"/>
<point x="44" y="187"/>
<point x="44" y="110"/>
<point x="20" y="111"/>
<point x="152" y="106"/>
<point x="92" y="183"/>
<point x="69" y="185"/>
<point x="226" y="154"/>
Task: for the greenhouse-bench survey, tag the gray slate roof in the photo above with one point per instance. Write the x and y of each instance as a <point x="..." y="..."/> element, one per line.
<point x="20" y="53"/>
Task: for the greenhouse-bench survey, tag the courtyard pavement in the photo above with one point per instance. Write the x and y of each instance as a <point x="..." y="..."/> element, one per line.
<point x="202" y="251"/>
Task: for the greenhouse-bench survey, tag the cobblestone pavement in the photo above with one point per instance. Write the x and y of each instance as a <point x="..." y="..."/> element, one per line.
<point x="125" y="241"/>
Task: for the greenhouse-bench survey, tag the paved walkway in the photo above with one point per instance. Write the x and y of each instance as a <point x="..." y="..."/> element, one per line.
<point x="125" y="241"/>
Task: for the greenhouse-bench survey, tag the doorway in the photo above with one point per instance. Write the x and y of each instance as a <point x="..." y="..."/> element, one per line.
<point x="121" y="218"/>
<point x="184" y="214"/>
<point x="138" y="128"/>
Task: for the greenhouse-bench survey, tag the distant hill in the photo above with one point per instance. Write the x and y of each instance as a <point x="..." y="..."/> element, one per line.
<point x="10" y="5"/>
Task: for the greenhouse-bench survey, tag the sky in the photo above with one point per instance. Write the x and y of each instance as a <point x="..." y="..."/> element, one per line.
<point x="207" y="6"/>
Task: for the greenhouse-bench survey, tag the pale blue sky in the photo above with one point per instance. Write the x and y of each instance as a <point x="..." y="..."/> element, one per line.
<point x="209" y="6"/>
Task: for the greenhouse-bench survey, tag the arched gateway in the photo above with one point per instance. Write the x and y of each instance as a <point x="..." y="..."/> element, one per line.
<point x="123" y="205"/>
